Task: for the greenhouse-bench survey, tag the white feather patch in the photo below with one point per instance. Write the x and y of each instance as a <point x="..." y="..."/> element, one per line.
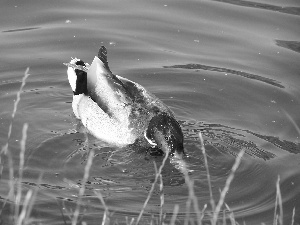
<point x="72" y="78"/>
<point x="149" y="140"/>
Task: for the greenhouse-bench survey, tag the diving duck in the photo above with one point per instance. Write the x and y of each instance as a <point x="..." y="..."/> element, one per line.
<point x="119" y="111"/>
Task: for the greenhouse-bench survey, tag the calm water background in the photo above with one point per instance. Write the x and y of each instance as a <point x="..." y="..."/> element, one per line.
<point x="227" y="68"/>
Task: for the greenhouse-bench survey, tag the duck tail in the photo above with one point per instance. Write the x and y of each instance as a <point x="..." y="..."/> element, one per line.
<point x="102" y="55"/>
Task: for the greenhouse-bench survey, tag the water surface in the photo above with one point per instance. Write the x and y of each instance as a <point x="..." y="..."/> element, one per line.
<point x="229" y="69"/>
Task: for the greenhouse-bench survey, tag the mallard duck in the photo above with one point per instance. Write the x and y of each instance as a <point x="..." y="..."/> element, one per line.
<point x="119" y="111"/>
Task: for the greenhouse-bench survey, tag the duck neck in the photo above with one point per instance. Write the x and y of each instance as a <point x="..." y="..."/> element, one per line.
<point x="81" y="83"/>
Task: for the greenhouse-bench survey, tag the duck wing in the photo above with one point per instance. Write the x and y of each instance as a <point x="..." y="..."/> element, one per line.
<point x="142" y="97"/>
<point x="105" y="88"/>
<point x="118" y="96"/>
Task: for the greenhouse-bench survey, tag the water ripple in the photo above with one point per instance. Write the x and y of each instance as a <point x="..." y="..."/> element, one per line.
<point x="292" y="45"/>
<point x="259" y="5"/>
<point x="192" y="66"/>
<point x="225" y="139"/>
<point x="20" y="29"/>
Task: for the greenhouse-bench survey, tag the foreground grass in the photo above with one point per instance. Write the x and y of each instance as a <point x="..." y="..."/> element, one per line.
<point x="220" y="213"/>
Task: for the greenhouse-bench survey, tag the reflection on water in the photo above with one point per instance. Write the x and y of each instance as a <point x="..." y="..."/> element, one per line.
<point x="196" y="56"/>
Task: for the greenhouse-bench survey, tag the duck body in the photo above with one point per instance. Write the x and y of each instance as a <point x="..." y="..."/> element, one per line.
<point x="119" y="111"/>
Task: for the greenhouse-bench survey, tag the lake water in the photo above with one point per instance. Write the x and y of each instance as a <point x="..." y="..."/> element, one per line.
<point x="227" y="68"/>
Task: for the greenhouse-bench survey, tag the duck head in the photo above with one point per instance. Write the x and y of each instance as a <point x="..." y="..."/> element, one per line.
<point x="165" y="133"/>
<point x="77" y="77"/>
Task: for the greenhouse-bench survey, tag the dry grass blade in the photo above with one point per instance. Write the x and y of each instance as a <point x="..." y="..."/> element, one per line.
<point x="26" y="74"/>
<point x="162" y="199"/>
<point x="105" y="219"/>
<point x="129" y="222"/>
<point x="279" y="203"/>
<point x="212" y="202"/>
<point x="231" y="215"/>
<point x="5" y="149"/>
<point x="224" y="217"/>
<point x="188" y="210"/>
<point x="202" y="212"/>
<point x="192" y="197"/>
<point x="11" y="183"/>
<point x="292" y="121"/>
<point x="22" y="217"/>
<point x="82" y="188"/>
<point x="293" y="217"/>
<point x="226" y="187"/>
<point x="174" y="215"/>
<point x="21" y="166"/>
<point x="27" y="207"/>
<point x="152" y="187"/>
<point x="61" y="211"/>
